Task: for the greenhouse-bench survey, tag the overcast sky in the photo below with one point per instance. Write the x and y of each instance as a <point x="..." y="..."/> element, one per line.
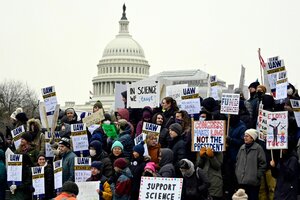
<point x="60" y="42"/>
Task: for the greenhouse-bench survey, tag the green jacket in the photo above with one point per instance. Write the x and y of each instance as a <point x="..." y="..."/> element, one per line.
<point x="68" y="166"/>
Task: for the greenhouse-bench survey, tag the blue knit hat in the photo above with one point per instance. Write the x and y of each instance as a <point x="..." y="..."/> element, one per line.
<point x="97" y="164"/>
<point x="117" y="144"/>
<point x="139" y="148"/>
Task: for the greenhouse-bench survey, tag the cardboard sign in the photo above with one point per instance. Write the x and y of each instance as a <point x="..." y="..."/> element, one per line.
<point x="50" y="101"/>
<point x="16" y="135"/>
<point x="57" y="167"/>
<point x="143" y="93"/>
<point x="296" y="108"/>
<point x="79" y="137"/>
<point x="262" y="124"/>
<point x="176" y="92"/>
<point x="119" y="88"/>
<point x="82" y="168"/>
<point x="160" y="188"/>
<point x="209" y="134"/>
<point x="230" y="104"/>
<point x="94" y="118"/>
<point x="192" y="106"/>
<point x="14" y="169"/>
<point x="277" y="135"/>
<point x="87" y="190"/>
<point x="38" y="181"/>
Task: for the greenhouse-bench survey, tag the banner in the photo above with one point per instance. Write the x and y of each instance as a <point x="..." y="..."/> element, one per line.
<point x="16" y="135"/>
<point x="192" y="106"/>
<point x="160" y="188"/>
<point x="38" y="181"/>
<point x="94" y="118"/>
<point x="87" y="190"/>
<point x="82" y="168"/>
<point x="14" y="169"/>
<point x="277" y="135"/>
<point x="230" y="104"/>
<point x="143" y="93"/>
<point x="50" y="101"/>
<point x="119" y="88"/>
<point x="176" y="91"/>
<point x="262" y="124"/>
<point x="296" y="108"/>
<point x="209" y="134"/>
<point x="79" y="137"/>
<point x="57" y="168"/>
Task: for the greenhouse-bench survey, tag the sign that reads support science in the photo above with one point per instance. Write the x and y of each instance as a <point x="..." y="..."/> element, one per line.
<point x="143" y="93"/>
<point x="230" y="103"/>
<point x="209" y="134"/>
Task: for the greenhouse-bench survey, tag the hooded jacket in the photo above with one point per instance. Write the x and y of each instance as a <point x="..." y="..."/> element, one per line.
<point x="37" y="135"/>
<point x="137" y="168"/>
<point x="167" y="168"/>
<point x="127" y="142"/>
<point x="124" y="114"/>
<point x="122" y="188"/>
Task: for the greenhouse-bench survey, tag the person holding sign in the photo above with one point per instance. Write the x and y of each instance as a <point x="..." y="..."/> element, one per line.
<point x="159" y="119"/>
<point x="70" y="116"/>
<point x="104" y="190"/>
<point x="38" y="138"/>
<point x="26" y="147"/>
<point x="153" y="146"/>
<point x="169" y="107"/>
<point x="146" y="117"/>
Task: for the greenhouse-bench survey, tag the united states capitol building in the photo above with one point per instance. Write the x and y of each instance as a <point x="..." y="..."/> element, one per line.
<point x="123" y="61"/>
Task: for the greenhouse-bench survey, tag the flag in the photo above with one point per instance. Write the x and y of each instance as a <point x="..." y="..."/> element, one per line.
<point x="261" y="60"/>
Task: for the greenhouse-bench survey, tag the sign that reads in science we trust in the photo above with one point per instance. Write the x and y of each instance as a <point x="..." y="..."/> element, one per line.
<point x="230" y="103"/>
<point x="143" y="93"/>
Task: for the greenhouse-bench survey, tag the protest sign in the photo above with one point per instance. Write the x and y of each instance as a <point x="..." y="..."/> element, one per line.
<point x="119" y="88"/>
<point x="262" y="124"/>
<point x="142" y="137"/>
<point x="94" y="118"/>
<point x="277" y="134"/>
<point x="192" y="106"/>
<point x="151" y="128"/>
<point x="16" y="135"/>
<point x="281" y="85"/>
<point x="209" y="134"/>
<point x="82" y="168"/>
<point x="273" y="66"/>
<point x="190" y="93"/>
<point x="38" y="181"/>
<point x="176" y="91"/>
<point x="14" y="169"/>
<point x="230" y="103"/>
<point x="214" y="87"/>
<point x="50" y="101"/>
<point x="57" y="168"/>
<point x="143" y="93"/>
<point x="296" y="108"/>
<point x="48" y="149"/>
<point x="79" y="137"/>
<point x="8" y="152"/>
<point x="87" y="190"/>
<point x="160" y="188"/>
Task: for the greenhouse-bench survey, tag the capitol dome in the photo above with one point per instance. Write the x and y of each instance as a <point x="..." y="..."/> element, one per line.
<point x="123" y="61"/>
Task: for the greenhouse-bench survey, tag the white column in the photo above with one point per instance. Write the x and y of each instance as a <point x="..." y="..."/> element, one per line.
<point x="111" y="88"/>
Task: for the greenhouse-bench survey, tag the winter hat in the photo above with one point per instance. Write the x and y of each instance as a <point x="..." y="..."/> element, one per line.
<point x="97" y="164"/>
<point x="151" y="166"/>
<point x="27" y="136"/>
<point x="263" y="88"/>
<point x="240" y="195"/>
<point x="121" y="163"/>
<point x="254" y="85"/>
<point x="252" y="132"/>
<point x="70" y="110"/>
<point x="139" y="148"/>
<point x="17" y="111"/>
<point x="183" y="164"/>
<point x="117" y="144"/>
<point x="98" y="104"/>
<point x="123" y="124"/>
<point x="21" y="117"/>
<point x="65" y="141"/>
<point x="147" y="115"/>
<point x="107" y="117"/>
<point x="70" y="187"/>
<point x="97" y="146"/>
<point x="176" y="127"/>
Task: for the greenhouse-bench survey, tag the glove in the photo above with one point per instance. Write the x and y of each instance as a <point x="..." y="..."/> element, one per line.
<point x="209" y="152"/>
<point x="202" y="152"/>
<point x="13" y="188"/>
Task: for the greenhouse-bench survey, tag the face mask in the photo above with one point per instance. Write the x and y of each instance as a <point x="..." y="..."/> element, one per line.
<point x="92" y="152"/>
<point x="290" y="92"/>
<point x="106" y="122"/>
<point x="201" y="119"/>
<point x="179" y="121"/>
<point x="259" y="94"/>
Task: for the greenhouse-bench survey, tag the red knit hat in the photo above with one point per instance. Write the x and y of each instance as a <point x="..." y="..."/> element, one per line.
<point x="121" y="163"/>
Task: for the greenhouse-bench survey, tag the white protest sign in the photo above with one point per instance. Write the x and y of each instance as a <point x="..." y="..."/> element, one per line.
<point x="230" y="103"/>
<point x="160" y="188"/>
<point x="142" y="137"/>
<point x="190" y="93"/>
<point x="94" y="118"/>
<point x="57" y="167"/>
<point x="273" y="67"/>
<point x="38" y="181"/>
<point x="82" y="168"/>
<point x="8" y="152"/>
<point x="16" y="135"/>
<point x="48" y="149"/>
<point x="151" y="128"/>
<point x="14" y="169"/>
<point x="119" y="88"/>
<point x="209" y="134"/>
<point x="214" y="88"/>
<point x="262" y="124"/>
<point x="192" y="106"/>
<point x="296" y="108"/>
<point x="277" y="135"/>
<point x="79" y="137"/>
<point x="50" y="100"/>
<point x="87" y="190"/>
<point x="176" y="91"/>
<point x="281" y="85"/>
<point x="143" y="93"/>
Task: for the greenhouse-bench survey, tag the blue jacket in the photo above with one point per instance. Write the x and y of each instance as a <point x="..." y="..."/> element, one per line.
<point x="236" y="135"/>
<point x="68" y="166"/>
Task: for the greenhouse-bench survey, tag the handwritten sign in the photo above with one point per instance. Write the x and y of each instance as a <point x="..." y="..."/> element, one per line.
<point x="262" y="124"/>
<point x="14" y="169"/>
<point x="87" y="190"/>
<point x="230" y="103"/>
<point x="16" y="134"/>
<point x="192" y="106"/>
<point x="38" y="181"/>
<point x="79" y="137"/>
<point x="50" y="100"/>
<point x="160" y="188"/>
<point x="82" y="168"/>
<point x="94" y="118"/>
<point x="296" y="108"/>
<point x="57" y="167"/>
<point x="176" y="91"/>
<point x="214" y="87"/>
<point x="143" y="93"/>
<point x="277" y="135"/>
<point x="209" y="134"/>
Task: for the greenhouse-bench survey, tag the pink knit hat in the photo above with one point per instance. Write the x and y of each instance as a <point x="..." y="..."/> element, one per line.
<point x="151" y="166"/>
